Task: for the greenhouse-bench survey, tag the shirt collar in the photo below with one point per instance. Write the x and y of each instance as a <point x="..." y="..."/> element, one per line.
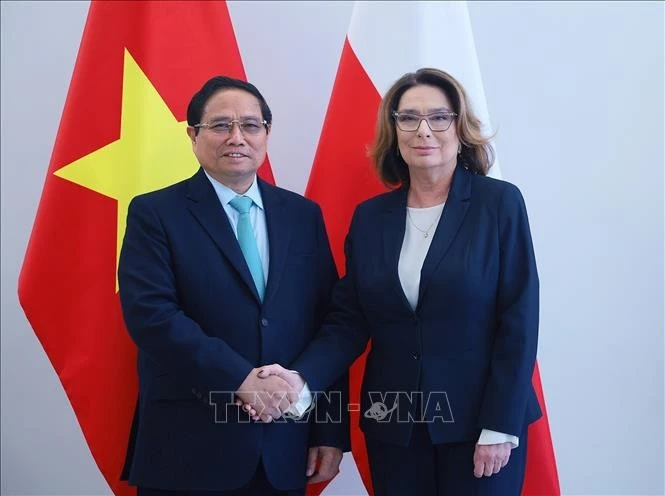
<point x="226" y="194"/>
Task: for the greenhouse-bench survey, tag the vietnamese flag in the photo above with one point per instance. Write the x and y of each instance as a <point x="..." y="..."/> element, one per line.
<point x="122" y="133"/>
<point x="384" y="41"/>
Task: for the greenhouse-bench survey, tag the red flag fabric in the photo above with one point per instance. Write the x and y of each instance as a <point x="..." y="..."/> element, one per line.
<point x="342" y="174"/>
<point x="121" y="133"/>
<point x="541" y="477"/>
<point x="342" y="177"/>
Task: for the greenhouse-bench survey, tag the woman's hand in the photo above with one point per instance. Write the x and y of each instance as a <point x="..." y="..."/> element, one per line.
<point x="488" y="459"/>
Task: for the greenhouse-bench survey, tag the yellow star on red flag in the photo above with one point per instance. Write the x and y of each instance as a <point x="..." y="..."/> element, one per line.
<point x="152" y="151"/>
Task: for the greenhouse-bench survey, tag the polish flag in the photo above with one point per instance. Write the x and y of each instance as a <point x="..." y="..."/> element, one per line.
<point x="384" y="41"/>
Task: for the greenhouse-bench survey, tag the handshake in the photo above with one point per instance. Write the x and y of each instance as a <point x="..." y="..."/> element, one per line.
<point x="271" y="391"/>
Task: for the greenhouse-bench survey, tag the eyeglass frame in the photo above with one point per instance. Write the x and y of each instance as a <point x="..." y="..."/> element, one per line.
<point x="424" y="117"/>
<point x="208" y="126"/>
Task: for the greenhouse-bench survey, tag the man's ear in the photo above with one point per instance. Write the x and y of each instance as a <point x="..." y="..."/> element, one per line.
<point x="191" y="132"/>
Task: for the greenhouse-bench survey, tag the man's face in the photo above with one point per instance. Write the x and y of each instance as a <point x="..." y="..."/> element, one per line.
<point x="231" y="156"/>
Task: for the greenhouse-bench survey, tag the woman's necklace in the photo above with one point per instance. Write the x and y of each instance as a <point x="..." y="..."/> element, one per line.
<point x="426" y="231"/>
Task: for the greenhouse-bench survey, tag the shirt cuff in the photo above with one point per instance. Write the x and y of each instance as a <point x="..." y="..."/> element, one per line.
<point x="299" y="408"/>
<point x="493" y="437"/>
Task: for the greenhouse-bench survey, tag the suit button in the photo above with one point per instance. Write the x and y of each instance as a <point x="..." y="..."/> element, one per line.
<point x="264" y="322"/>
<point x="415" y="356"/>
<point x="194" y="391"/>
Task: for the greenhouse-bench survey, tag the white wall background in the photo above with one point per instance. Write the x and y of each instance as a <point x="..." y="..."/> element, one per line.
<point x="576" y="92"/>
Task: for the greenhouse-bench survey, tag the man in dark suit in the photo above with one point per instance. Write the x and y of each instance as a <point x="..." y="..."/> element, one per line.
<point x="220" y="274"/>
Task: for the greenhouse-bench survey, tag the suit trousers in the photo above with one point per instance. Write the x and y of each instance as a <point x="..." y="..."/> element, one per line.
<point x="259" y="485"/>
<point x="430" y="469"/>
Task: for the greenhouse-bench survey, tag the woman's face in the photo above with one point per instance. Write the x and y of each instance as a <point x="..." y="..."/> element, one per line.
<point x="423" y="148"/>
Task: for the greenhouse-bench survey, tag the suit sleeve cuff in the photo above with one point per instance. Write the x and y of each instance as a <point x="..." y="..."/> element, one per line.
<point x="493" y="437"/>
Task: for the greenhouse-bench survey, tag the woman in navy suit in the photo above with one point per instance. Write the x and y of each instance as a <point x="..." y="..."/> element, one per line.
<point x="441" y="276"/>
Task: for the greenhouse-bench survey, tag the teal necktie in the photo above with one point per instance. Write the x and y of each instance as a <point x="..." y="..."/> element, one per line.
<point x="247" y="241"/>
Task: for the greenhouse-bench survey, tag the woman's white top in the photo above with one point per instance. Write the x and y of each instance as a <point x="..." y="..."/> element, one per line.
<point x="420" y="226"/>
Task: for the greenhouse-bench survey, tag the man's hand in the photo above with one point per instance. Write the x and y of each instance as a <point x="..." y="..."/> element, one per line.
<point x="488" y="459"/>
<point x="294" y="379"/>
<point x="322" y="463"/>
<point x="266" y="398"/>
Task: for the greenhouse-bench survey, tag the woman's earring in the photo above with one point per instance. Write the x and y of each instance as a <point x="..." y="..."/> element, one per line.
<point x="459" y="149"/>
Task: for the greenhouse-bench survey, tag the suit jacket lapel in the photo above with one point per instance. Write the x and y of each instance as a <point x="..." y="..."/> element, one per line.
<point x="394" y="225"/>
<point x="209" y="212"/>
<point x="279" y="225"/>
<point x="452" y="217"/>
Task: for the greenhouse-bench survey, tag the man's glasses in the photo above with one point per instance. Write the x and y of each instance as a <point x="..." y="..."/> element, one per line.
<point x="247" y="126"/>
<point x="437" y="121"/>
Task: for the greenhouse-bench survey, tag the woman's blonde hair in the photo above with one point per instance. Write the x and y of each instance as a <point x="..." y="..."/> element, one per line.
<point x="476" y="154"/>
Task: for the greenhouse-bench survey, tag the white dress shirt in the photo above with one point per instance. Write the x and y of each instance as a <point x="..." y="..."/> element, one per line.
<point x="411" y="258"/>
